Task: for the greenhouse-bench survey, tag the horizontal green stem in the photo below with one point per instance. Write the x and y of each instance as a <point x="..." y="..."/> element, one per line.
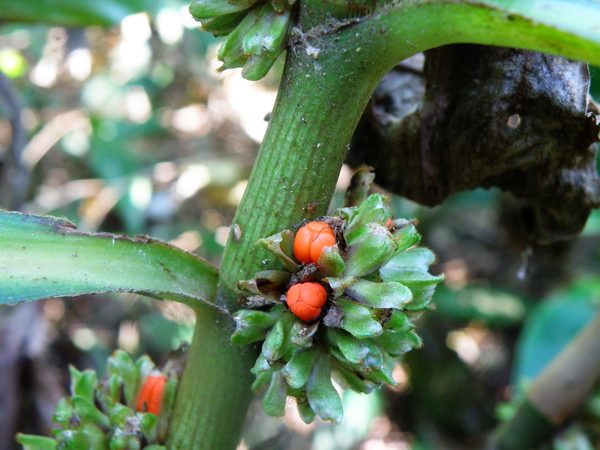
<point x="44" y="257"/>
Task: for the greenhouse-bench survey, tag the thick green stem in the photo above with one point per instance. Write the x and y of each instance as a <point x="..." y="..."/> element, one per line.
<point x="293" y="179"/>
<point x="317" y="110"/>
<point x="319" y="104"/>
<point x="210" y="404"/>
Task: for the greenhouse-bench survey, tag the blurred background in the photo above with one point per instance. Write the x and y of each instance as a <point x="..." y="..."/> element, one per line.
<point x="123" y="124"/>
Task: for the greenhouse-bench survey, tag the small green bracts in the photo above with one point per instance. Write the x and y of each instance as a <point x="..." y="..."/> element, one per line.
<point x="103" y="414"/>
<point x="255" y="31"/>
<point x="377" y="280"/>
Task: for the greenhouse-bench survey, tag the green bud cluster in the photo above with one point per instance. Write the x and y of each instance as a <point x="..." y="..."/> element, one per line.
<point x="377" y="280"/>
<point x="102" y="414"/>
<point x="255" y="31"/>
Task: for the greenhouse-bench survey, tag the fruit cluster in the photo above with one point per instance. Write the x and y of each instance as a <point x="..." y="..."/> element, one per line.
<point x="344" y="307"/>
<point x="128" y="409"/>
<point x="255" y="31"/>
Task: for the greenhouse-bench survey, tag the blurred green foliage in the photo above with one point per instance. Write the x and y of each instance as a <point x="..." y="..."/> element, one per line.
<point x="551" y="325"/>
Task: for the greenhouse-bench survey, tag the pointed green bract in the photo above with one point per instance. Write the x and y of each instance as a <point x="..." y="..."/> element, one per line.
<point x="255" y="32"/>
<point x="31" y="442"/>
<point x="223" y="25"/>
<point x="380" y="295"/>
<point x="406" y="235"/>
<point x="305" y="411"/>
<point x="373" y="210"/>
<point x="322" y="396"/>
<point x="232" y="51"/>
<point x="331" y="262"/>
<point x="261" y="365"/>
<point x="413" y="258"/>
<point x="358" y="320"/>
<point x="370" y="247"/>
<point x="302" y="334"/>
<point x="396" y="344"/>
<point x="264" y="42"/>
<point x="252" y="326"/>
<point x="361" y="352"/>
<point x="278" y="342"/>
<point x="349" y="378"/>
<point x="205" y="9"/>
<point x="410" y="268"/>
<point x="126" y="376"/>
<point x="83" y="384"/>
<point x="85" y="410"/>
<point x="281" y="245"/>
<point x="340" y="285"/>
<point x="268" y="284"/>
<point x="63" y="413"/>
<point x="297" y="370"/>
<point x="398" y="322"/>
<point x="274" y="400"/>
<point x="118" y="414"/>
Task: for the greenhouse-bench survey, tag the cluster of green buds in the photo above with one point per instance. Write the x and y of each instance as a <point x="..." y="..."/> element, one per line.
<point x="128" y="409"/>
<point x="343" y="307"/>
<point x="255" y="31"/>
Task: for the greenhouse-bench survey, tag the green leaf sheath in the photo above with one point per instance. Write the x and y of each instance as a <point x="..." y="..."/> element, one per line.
<point x="44" y="257"/>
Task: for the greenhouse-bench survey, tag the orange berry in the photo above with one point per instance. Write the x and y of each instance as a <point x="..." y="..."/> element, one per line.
<point x="151" y="394"/>
<point x="310" y="241"/>
<point x="306" y="300"/>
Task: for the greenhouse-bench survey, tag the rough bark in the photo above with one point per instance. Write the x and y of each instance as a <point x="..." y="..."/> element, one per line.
<point x="490" y="117"/>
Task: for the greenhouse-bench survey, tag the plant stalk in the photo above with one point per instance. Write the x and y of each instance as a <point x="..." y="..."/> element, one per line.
<point x="333" y="65"/>
<point x="210" y="406"/>
<point x="293" y="180"/>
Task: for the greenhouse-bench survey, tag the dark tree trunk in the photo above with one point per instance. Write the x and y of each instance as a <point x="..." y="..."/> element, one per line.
<point x="490" y="117"/>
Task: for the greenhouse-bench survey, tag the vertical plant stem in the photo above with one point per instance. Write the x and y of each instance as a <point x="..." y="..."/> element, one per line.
<point x="332" y="68"/>
<point x="318" y="107"/>
<point x="214" y="392"/>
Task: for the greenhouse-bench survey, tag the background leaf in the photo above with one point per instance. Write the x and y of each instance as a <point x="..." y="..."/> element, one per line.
<point x="551" y="326"/>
